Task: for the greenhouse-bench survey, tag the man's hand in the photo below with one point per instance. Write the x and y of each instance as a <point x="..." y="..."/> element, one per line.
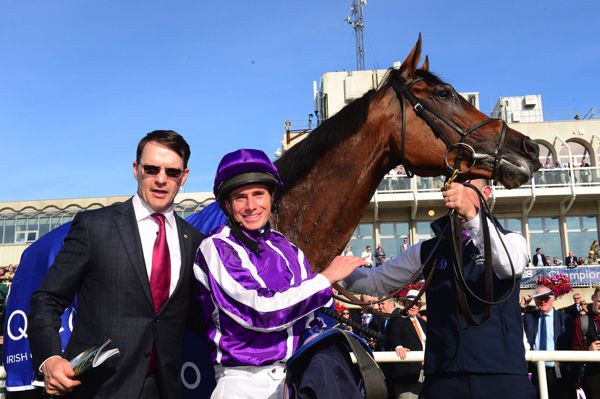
<point x="401" y="352"/>
<point x="58" y="376"/>
<point x="457" y="198"/>
<point x="595" y="346"/>
<point x="341" y="267"/>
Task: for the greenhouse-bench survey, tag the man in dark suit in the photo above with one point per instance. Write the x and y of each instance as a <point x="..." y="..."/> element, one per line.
<point x="571" y="260"/>
<point x="405" y="334"/>
<point x="538" y="258"/>
<point x="578" y="308"/>
<point x="549" y="329"/>
<point x="130" y="266"/>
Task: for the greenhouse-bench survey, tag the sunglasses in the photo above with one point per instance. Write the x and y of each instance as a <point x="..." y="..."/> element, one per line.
<point x="345" y="313"/>
<point x="544" y="298"/>
<point x="153" y="170"/>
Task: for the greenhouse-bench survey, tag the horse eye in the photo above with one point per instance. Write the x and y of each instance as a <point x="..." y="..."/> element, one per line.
<point x="444" y="93"/>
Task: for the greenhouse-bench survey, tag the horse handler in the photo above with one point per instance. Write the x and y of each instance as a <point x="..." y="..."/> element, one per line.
<point x="257" y="291"/>
<point x="478" y="353"/>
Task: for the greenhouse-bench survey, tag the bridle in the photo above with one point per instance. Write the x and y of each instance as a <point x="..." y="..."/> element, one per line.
<point x="425" y="112"/>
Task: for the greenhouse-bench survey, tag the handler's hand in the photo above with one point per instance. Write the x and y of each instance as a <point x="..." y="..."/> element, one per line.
<point x="59" y="378"/>
<point x="457" y="198"/>
<point x="401" y="352"/>
<point x="595" y="346"/>
<point x="341" y="267"/>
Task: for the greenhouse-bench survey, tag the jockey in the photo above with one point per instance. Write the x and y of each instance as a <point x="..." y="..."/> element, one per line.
<point x="257" y="291"/>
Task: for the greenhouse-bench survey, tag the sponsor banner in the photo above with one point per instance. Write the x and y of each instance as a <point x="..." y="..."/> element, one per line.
<point x="580" y="276"/>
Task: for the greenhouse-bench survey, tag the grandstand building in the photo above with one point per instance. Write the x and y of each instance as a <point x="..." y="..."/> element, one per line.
<point x="558" y="210"/>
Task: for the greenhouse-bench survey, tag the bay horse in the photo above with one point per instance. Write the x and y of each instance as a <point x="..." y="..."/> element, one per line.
<point x="331" y="176"/>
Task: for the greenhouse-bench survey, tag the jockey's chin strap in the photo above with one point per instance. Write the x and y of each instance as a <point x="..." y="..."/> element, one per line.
<point x="425" y="112"/>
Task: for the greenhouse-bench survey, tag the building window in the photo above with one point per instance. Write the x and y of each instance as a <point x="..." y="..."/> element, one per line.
<point x="511" y="224"/>
<point x="362" y="236"/>
<point x="9" y="231"/>
<point x="391" y="237"/>
<point x="544" y="233"/>
<point x="423" y="231"/>
<point x="581" y="231"/>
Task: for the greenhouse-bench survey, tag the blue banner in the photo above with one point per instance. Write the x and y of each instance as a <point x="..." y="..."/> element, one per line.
<point x="197" y="375"/>
<point x="580" y="275"/>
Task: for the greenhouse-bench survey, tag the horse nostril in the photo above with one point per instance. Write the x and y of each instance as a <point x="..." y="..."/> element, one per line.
<point x="531" y="148"/>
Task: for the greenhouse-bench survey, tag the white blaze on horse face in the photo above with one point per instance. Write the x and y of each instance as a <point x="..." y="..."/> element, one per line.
<point x="250" y="205"/>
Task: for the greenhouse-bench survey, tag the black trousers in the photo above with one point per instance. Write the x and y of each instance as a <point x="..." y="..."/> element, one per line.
<point x="558" y="388"/>
<point x="477" y="386"/>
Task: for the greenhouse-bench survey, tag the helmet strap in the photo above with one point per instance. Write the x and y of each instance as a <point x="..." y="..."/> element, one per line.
<point x="246" y="241"/>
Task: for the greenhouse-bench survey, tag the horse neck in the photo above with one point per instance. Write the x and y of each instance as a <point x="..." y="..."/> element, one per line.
<point x="322" y="210"/>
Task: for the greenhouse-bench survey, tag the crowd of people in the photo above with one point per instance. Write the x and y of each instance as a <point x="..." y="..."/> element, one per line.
<point x="571" y="261"/>
<point x="574" y="327"/>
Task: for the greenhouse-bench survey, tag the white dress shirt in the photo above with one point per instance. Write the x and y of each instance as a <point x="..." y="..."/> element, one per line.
<point x="149" y="229"/>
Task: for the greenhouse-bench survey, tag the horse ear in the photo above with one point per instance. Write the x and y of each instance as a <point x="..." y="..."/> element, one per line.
<point x="425" y="66"/>
<point x="409" y="66"/>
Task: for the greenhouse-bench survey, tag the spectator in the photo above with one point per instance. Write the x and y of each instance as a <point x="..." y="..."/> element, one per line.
<point x="345" y="313"/>
<point x="578" y="307"/>
<point x="571" y="260"/>
<point x="591" y="259"/>
<point x="547" y="329"/>
<point x="348" y="250"/>
<point x="367" y="256"/>
<point x="584" y="171"/>
<point x="403" y="335"/>
<point x="379" y="255"/>
<point x="538" y="258"/>
<point x="556" y="262"/>
<point x="404" y="245"/>
<point x="580" y="261"/>
<point x="393" y="180"/>
<point x="587" y="338"/>
<point x="595" y="248"/>
<point x="547" y="259"/>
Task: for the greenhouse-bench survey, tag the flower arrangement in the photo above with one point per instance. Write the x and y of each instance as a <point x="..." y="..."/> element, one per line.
<point x="339" y="307"/>
<point x="560" y="284"/>
<point x="412" y="286"/>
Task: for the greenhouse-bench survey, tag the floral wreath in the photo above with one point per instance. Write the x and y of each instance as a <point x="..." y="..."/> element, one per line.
<point x="560" y="284"/>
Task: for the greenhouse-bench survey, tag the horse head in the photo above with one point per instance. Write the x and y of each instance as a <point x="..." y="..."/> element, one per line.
<point x="462" y="137"/>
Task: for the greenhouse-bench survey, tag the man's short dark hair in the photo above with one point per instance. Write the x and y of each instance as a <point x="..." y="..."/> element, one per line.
<point x="168" y="138"/>
<point x="537" y="249"/>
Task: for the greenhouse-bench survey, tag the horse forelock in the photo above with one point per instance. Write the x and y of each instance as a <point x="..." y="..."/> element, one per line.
<point x="299" y="160"/>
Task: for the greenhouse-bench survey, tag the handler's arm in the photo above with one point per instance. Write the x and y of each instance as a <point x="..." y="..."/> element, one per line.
<point x="394" y="273"/>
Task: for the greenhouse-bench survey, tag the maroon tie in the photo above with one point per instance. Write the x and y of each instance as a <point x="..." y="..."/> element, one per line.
<point x="160" y="277"/>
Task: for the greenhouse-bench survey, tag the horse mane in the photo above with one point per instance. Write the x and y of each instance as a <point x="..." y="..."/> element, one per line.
<point x="298" y="161"/>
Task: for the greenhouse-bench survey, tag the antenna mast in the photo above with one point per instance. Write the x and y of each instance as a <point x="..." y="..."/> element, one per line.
<point x="356" y="20"/>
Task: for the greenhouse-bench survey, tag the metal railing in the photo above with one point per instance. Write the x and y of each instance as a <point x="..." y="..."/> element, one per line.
<point x="543" y="178"/>
<point x="537" y="357"/>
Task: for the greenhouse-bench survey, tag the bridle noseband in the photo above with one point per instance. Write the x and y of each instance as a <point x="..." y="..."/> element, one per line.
<point x="424" y="111"/>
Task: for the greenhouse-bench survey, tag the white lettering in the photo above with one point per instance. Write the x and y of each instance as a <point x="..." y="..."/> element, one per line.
<point x="17" y="358"/>
<point x="22" y="331"/>
<point x="197" y="376"/>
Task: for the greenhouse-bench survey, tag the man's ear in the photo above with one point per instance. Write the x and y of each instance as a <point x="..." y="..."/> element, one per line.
<point x="486" y="191"/>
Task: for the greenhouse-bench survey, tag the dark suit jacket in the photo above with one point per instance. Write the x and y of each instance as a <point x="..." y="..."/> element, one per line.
<point x="570" y="260"/>
<point x="535" y="262"/>
<point x="563" y="327"/>
<point x="401" y="332"/>
<point x="103" y="263"/>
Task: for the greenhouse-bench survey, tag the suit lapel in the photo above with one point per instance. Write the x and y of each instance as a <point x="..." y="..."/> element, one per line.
<point x="184" y="248"/>
<point x="130" y="236"/>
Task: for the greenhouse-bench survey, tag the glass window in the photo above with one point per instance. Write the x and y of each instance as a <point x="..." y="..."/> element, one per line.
<point x="581" y="230"/>
<point x="423" y="231"/>
<point x="362" y="236"/>
<point x="511" y="224"/>
<point x="544" y="233"/>
<point x="391" y="237"/>
<point x="9" y="231"/>
<point x="44" y="225"/>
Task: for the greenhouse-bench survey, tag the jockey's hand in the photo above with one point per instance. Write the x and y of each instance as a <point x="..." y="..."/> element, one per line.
<point x="401" y="352"/>
<point x="459" y="198"/>
<point x="341" y="267"/>
<point x="59" y="378"/>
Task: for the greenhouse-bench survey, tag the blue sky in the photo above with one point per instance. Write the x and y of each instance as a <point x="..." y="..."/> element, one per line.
<point x="82" y="81"/>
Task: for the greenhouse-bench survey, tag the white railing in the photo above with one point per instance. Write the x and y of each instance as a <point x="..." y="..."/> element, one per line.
<point x="543" y="178"/>
<point x="538" y="357"/>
